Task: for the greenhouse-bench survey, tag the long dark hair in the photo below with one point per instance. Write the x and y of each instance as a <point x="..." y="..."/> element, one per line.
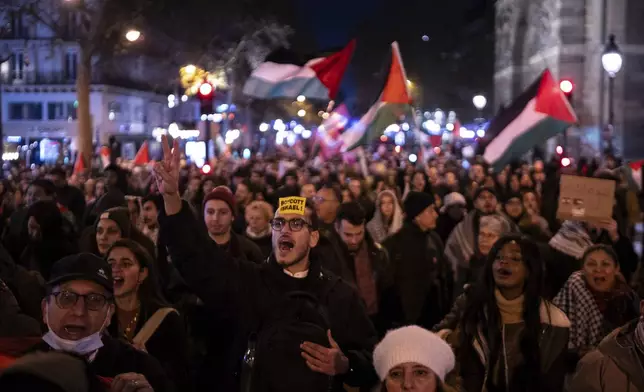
<point x="482" y="312"/>
<point x="150" y="293"/>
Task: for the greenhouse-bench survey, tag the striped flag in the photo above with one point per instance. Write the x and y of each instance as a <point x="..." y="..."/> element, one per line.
<point x="283" y="75"/>
<point x="328" y="142"/>
<point x="393" y="104"/>
<point x="539" y="113"/>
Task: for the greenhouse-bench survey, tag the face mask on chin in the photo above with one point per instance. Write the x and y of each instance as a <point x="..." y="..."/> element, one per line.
<point x="84" y="346"/>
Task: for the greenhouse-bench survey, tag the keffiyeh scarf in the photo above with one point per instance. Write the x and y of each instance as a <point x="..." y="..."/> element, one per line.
<point x="577" y="302"/>
<point x="461" y="244"/>
<point x="572" y="239"/>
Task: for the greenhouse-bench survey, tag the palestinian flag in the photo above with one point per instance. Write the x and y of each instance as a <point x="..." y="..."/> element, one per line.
<point x="328" y="142"/>
<point x="394" y="103"/>
<point x="143" y="155"/>
<point x="539" y="113"/>
<point x="283" y="75"/>
<point x="79" y="165"/>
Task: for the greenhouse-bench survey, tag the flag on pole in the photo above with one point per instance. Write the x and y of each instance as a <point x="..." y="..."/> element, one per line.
<point x="79" y="165"/>
<point x="393" y="103"/>
<point x="105" y="156"/>
<point x="143" y="155"/>
<point x="283" y="75"/>
<point x="539" y="113"/>
<point x="328" y="142"/>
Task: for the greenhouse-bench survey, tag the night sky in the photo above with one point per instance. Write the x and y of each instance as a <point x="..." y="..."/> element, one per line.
<point x="455" y="64"/>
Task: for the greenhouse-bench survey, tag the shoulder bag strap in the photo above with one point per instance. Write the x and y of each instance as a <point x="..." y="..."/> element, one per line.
<point x="151" y="326"/>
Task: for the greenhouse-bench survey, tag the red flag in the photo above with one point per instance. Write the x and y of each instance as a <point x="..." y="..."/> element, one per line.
<point x="331" y="70"/>
<point x="143" y="156"/>
<point x="105" y="156"/>
<point x="79" y="165"/>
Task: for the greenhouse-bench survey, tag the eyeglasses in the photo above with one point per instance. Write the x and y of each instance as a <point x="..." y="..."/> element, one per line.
<point x="67" y="299"/>
<point x="295" y="224"/>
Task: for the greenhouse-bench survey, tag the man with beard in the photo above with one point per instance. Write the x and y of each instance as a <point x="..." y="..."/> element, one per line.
<point x="218" y="214"/>
<point x="616" y="364"/>
<point x="252" y="295"/>
<point x="150" y="223"/>
<point x="368" y="260"/>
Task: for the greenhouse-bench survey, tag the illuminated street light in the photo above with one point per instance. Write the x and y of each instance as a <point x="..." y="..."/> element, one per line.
<point x="184" y="98"/>
<point x="132" y="35"/>
<point x="479" y="102"/>
<point x="301" y="112"/>
<point x="301" y="98"/>
<point x="263" y="127"/>
<point x="190" y="69"/>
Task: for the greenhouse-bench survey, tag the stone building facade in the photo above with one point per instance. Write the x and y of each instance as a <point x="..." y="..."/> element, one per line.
<point x="569" y="36"/>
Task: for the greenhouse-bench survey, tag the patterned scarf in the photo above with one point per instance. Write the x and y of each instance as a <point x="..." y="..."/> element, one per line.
<point x="377" y="228"/>
<point x="461" y="244"/>
<point x="572" y="239"/>
<point x="586" y="320"/>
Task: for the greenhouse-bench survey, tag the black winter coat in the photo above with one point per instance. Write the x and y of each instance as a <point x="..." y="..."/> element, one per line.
<point x="247" y="293"/>
<point x="423" y="279"/>
<point x="116" y="357"/>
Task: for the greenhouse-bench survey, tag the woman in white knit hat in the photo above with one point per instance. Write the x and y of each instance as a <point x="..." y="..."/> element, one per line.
<point x="412" y="359"/>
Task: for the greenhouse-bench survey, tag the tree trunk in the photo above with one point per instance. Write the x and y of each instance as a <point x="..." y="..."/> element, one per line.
<point x="83" y="81"/>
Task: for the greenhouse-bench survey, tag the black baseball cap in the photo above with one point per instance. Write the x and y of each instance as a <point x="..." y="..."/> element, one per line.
<point x="82" y="266"/>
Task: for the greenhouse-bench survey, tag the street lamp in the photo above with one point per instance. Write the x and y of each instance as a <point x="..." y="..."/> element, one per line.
<point x="612" y="62"/>
<point x="301" y="98"/>
<point x="132" y="35"/>
<point x="479" y="102"/>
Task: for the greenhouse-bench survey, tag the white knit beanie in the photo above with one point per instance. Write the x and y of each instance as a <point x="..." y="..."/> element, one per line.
<point x="413" y="344"/>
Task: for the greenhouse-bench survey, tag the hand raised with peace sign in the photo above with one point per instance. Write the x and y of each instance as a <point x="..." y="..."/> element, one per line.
<point x="166" y="175"/>
<point x="166" y="172"/>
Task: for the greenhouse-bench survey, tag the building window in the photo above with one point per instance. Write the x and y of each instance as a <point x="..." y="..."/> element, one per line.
<point x="115" y="111"/>
<point x="25" y="111"/>
<point x="18" y="65"/>
<point x="55" y="111"/>
<point x="71" y="65"/>
<point x="72" y="111"/>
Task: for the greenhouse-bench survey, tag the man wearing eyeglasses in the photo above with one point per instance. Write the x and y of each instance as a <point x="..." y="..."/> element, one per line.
<point x="77" y="310"/>
<point x="252" y="295"/>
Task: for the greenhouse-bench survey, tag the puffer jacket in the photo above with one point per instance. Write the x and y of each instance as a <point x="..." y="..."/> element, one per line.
<point x="614" y="366"/>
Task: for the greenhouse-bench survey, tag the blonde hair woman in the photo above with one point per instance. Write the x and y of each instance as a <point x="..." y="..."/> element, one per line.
<point x="258" y="215"/>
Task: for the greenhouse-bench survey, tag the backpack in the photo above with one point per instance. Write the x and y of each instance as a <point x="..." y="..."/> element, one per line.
<point x="273" y="361"/>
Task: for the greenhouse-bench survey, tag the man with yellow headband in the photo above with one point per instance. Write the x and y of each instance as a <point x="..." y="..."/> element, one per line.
<point x="266" y="301"/>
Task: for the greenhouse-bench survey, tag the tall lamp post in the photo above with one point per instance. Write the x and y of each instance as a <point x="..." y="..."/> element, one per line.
<point x="612" y="62"/>
<point x="480" y="102"/>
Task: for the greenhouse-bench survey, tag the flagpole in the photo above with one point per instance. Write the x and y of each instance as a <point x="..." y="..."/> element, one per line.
<point x="363" y="162"/>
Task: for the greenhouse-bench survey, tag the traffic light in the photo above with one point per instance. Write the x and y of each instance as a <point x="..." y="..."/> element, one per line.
<point x="567" y="87"/>
<point x="206" y="95"/>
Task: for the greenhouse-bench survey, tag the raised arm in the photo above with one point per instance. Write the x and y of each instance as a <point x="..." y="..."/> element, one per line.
<point x="209" y="271"/>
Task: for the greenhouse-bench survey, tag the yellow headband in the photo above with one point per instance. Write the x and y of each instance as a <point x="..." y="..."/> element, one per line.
<point x="292" y="205"/>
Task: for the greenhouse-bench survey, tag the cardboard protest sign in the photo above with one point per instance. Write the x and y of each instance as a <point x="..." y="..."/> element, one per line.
<point x="585" y="199"/>
<point x="292" y="205"/>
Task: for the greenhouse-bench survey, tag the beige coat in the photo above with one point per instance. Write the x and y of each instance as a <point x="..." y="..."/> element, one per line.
<point x="613" y="367"/>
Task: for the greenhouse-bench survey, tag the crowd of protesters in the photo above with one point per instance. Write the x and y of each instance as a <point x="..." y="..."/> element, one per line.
<point x="280" y="275"/>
